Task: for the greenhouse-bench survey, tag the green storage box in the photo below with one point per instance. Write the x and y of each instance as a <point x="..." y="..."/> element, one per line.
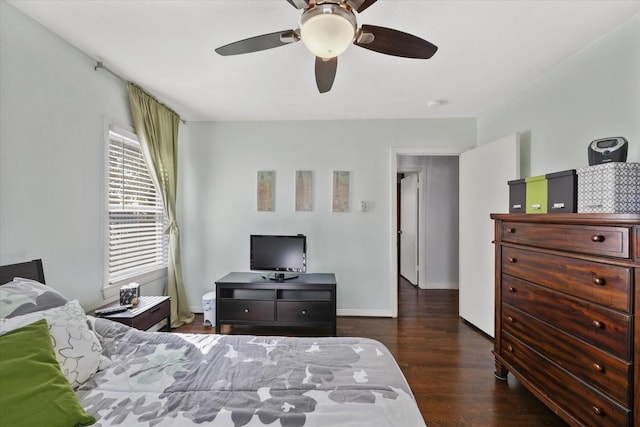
<point x="536" y="194"/>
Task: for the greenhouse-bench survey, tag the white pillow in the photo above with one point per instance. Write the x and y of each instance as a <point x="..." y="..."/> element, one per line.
<point x="77" y="348"/>
<point x="22" y="296"/>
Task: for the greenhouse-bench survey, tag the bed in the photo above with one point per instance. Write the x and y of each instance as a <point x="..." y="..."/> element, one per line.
<point x="138" y="378"/>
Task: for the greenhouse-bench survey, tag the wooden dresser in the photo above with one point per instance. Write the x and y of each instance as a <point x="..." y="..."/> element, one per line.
<point x="566" y="321"/>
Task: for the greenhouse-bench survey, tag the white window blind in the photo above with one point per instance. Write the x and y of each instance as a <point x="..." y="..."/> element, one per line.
<point x="137" y="242"/>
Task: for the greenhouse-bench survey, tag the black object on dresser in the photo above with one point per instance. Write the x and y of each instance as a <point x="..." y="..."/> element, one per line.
<point x="567" y="299"/>
<point x="250" y="299"/>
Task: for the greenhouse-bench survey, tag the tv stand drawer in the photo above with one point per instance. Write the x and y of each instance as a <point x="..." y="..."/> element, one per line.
<point x="244" y="310"/>
<point x="304" y="311"/>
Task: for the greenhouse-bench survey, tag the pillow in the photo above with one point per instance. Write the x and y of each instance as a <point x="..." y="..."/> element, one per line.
<point x="22" y="296"/>
<point x="76" y="347"/>
<point x="33" y="390"/>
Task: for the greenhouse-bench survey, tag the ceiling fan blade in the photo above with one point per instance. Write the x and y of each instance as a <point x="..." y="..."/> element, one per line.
<point x="299" y="4"/>
<point x="360" y="5"/>
<point x="394" y="42"/>
<point x="258" y="43"/>
<point x="325" y="73"/>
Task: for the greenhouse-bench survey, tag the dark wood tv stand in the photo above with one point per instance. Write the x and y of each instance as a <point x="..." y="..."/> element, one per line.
<point x="250" y="299"/>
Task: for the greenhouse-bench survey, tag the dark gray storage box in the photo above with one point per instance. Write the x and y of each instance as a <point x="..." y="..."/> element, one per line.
<point x="517" y="196"/>
<point x="562" y="192"/>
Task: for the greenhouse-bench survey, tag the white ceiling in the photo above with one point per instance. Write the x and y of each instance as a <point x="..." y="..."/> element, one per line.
<point x="488" y="51"/>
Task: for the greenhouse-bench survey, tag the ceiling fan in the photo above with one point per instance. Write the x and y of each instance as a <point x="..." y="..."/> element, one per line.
<point x="327" y="28"/>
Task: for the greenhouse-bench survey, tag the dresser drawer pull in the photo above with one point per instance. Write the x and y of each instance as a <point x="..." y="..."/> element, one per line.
<point x="599" y="281"/>
<point x="597" y="324"/>
<point x="513" y="260"/>
<point x="246" y="310"/>
<point x="510" y="349"/>
<point x="597" y="411"/>
<point x="511" y="319"/>
<point x="510" y="230"/>
<point x="597" y="238"/>
<point x="304" y="312"/>
<point x="512" y="289"/>
<point x="598" y="367"/>
<point x="155" y="309"/>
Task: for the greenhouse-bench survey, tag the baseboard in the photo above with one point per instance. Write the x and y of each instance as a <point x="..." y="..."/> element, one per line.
<point x="340" y="312"/>
<point x="363" y="312"/>
<point x="450" y="286"/>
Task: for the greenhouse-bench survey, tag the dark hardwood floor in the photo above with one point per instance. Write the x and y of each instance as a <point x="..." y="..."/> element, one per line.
<point x="447" y="362"/>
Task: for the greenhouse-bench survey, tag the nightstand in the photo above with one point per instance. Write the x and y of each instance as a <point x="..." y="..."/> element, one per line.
<point x="149" y="311"/>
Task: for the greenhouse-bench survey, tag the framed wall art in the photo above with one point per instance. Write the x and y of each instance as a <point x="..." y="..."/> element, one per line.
<point x="304" y="191"/>
<point x="266" y="184"/>
<point x="341" y="184"/>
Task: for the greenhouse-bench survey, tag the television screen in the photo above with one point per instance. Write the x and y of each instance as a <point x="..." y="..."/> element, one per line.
<point x="278" y="253"/>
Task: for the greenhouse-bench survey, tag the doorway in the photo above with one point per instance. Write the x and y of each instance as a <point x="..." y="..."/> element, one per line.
<point x="399" y="165"/>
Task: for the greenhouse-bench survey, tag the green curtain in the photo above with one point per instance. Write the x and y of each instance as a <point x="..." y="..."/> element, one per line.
<point x="157" y="129"/>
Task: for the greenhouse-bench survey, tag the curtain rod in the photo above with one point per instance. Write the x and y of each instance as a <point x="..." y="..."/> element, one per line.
<point x="100" y="64"/>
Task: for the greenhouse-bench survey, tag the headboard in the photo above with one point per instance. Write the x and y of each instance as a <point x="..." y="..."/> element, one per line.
<point x="29" y="270"/>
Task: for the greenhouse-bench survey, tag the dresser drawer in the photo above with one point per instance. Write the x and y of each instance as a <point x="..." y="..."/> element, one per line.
<point x="609" y="374"/>
<point x="601" y="283"/>
<point x="607" y="329"/>
<point x="584" y="403"/>
<point x="247" y="310"/>
<point x="150" y="317"/>
<point x="304" y="311"/>
<point x="588" y="239"/>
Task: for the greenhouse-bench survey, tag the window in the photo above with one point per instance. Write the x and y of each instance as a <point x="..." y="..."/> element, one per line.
<point x="137" y="243"/>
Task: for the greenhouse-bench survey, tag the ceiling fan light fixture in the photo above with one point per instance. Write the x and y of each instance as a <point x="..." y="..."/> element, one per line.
<point x="327" y="30"/>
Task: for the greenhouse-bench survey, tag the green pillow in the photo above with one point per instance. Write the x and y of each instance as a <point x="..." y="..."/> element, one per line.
<point x="33" y="389"/>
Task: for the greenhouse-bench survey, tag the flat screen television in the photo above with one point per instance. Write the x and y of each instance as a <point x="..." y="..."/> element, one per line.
<point x="286" y="256"/>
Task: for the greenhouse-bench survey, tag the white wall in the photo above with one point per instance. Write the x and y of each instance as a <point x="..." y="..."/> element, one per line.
<point x="52" y="116"/>
<point x="219" y="165"/>
<point x="53" y="108"/>
<point x="441" y="219"/>
<point x="593" y="94"/>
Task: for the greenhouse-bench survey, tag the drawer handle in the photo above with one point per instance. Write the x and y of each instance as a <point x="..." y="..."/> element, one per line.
<point x="510" y="230"/>
<point x="597" y="238"/>
<point x="304" y="312"/>
<point x="512" y="289"/>
<point x="512" y="259"/>
<point x="599" y="281"/>
<point x="536" y="206"/>
<point x="597" y="411"/>
<point x="511" y="319"/>
<point x="510" y="349"/>
<point x="598" y="367"/>
<point x="597" y="324"/>
<point x="246" y="310"/>
<point x="155" y="309"/>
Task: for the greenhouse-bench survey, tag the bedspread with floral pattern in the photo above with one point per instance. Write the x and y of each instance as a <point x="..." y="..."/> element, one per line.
<point x="171" y="379"/>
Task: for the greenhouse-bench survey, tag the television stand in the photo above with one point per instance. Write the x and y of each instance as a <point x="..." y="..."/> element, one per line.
<point x="250" y="299"/>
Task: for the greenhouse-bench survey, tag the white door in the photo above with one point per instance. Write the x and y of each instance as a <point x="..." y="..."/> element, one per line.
<point x="484" y="172"/>
<point x="409" y="228"/>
